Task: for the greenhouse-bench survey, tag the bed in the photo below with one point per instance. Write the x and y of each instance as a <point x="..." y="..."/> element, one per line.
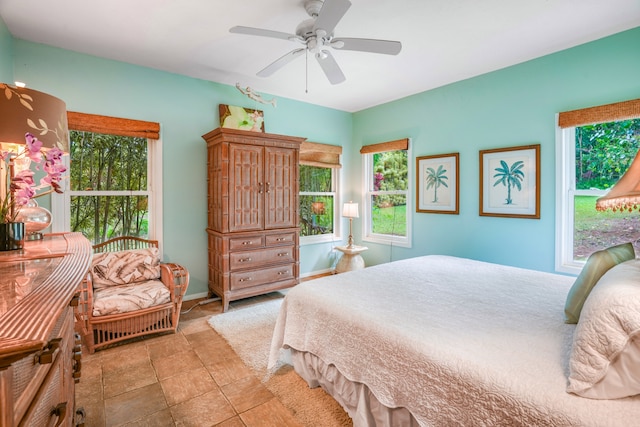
<point x="438" y="341"/>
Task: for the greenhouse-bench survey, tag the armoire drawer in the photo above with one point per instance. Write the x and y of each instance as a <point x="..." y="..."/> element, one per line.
<point x="247" y="279"/>
<point x="246" y="242"/>
<point x="252" y="259"/>
<point x="287" y="238"/>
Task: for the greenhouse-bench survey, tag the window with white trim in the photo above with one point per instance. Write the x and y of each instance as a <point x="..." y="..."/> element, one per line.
<point x="387" y="201"/>
<point x="318" y="206"/>
<point x="114" y="184"/>
<point x="595" y="148"/>
<point x="317" y="203"/>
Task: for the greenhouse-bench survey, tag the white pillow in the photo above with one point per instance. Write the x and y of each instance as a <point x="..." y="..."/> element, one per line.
<point x="605" y="357"/>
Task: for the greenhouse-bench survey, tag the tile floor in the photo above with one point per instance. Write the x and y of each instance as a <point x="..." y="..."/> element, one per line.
<point x="191" y="378"/>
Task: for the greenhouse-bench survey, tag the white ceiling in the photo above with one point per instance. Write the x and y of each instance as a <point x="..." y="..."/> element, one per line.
<point x="443" y="41"/>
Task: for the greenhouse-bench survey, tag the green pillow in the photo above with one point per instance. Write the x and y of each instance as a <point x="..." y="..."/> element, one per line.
<point x="598" y="263"/>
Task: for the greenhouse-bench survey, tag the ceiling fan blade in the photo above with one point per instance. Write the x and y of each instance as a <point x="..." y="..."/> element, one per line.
<point x="263" y="33"/>
<point x="280" y="62"/>
<point x="386" y="47"/>
<point x="330" y="14"/>
<point x="330" y="67"/>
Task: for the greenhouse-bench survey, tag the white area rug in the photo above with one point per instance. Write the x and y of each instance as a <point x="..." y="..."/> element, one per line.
<point x="248" y="329"/>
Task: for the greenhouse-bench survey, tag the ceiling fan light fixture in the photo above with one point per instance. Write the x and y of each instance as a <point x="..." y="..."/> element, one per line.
<point x="312" y="45"/>
<point x="316" y="34"/>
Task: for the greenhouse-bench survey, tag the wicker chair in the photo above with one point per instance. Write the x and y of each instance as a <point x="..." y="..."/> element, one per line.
<point x="101" y="329"/>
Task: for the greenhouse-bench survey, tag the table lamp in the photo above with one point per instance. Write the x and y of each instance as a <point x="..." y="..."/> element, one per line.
<point x="350" y="210"/>
<point x="625" y="194"/>
<point x="25" y="110"/>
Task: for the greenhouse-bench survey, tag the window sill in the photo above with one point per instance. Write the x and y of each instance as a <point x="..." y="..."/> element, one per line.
<point x="325" y="238"/>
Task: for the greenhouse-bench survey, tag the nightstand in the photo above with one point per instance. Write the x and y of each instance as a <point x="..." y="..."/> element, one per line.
<point x="351" y="259"/>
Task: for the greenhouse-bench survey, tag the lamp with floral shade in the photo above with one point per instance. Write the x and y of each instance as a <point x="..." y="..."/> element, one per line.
<point x="625" y="194"/>
<point x="33" y="137"/>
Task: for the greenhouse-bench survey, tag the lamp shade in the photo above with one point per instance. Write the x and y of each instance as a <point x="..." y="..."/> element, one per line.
<point x="350" y="210"/>
<point x="25" y="110"/>
<point x="625" y="195"/>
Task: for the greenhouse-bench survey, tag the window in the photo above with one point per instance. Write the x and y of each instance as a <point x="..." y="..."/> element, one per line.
<point x="319" y="165"/>
<point x="109" y="192"/>
<point x="596" y="147"/>
<point x="387" y="210"/>
<point x="114" y="180"/>
<point x="317" y="201"/>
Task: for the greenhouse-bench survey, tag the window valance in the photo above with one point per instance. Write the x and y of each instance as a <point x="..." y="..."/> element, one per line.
<point x="113" y="125"/>
<point x="321" y="155"/>
<point x="400" y="144"/>
<point x="601" y="114"/>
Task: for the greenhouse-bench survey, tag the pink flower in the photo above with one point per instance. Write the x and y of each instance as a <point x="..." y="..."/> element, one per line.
<point x="54" y="155"/>
<point x="23" y="195"/>
<point x="33" y="148"/>
<point x="33" y="144"/>
<point x="23" y="179"/>
<point x="377" y="181"/>
<point x="54" y="172"/>
<point x="21" y="186"/>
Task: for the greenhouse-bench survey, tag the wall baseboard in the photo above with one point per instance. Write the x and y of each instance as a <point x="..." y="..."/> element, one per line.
<point x="317" y="273"/>
<point x="196" y="296"/>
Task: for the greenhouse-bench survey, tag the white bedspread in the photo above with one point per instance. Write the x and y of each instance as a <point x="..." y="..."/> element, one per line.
<point x="455" y="341"/>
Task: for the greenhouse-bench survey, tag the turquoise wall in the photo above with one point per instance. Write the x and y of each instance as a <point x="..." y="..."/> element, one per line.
<point x="186" y="109"/>
<point x="6" y="52"/>
<point x="510" y="107"/>
<point x="513" y="106"/>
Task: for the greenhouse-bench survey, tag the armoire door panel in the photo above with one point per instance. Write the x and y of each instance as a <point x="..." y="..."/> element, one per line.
<point x="247" y="186"/>
<point x="282" y="175"/>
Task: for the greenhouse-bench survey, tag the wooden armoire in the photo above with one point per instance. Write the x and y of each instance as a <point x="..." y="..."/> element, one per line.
<point x="252" y="204"/>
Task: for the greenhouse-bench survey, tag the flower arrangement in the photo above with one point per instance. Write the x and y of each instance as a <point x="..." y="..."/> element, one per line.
<point x="20" y="188"/>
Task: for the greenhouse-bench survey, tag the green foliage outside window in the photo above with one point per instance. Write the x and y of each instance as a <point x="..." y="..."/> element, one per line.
<point x="316" y="208"/>
<point x="390" y="220"/>
<point x="604" y="152"/>
<point x="108" y="163"/>
<point x="390" y="174"/>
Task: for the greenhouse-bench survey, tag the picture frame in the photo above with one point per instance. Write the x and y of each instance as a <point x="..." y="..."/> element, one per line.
<point x="438" y="183"/>
<point x="510" y="182"/>
<point x="235" y="117"/>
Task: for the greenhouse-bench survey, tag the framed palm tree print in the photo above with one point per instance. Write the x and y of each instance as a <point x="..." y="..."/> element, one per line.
<point x="438" y="183"/>
<point x="510" y="182"/>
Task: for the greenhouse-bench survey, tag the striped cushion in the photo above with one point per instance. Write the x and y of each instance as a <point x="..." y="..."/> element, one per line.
<point x="126" y="298"/>
<point x="125" y="267"/>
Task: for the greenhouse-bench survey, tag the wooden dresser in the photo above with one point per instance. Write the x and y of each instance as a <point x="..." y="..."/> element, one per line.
<point x="39" y="351"/>
<point x="253" y="224"/>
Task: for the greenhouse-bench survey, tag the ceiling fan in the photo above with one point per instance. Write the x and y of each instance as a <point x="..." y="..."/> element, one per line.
<point x="316" y="34"/>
